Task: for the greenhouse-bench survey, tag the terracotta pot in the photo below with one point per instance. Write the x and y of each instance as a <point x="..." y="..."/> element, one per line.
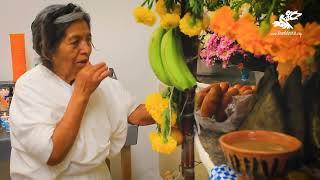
<point x="260" y="162"/>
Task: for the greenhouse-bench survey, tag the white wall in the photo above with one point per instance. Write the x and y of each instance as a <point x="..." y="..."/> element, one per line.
<point x="119" y="41"/>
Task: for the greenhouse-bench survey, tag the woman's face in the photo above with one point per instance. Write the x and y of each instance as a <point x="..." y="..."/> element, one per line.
<point x="73" y="51"/>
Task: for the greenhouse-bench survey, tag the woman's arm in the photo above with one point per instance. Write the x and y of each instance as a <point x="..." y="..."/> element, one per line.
<point x="65" y="133"/>
<point x="67" y="129"/>
<point x="140" y="116"/>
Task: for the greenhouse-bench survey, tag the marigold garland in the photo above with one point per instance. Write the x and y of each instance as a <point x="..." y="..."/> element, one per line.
<point x="155" y="105"/>
<point x="160" y="146"/>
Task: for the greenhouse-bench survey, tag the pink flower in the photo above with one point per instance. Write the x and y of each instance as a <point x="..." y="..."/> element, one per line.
<point x="221" y="48"/>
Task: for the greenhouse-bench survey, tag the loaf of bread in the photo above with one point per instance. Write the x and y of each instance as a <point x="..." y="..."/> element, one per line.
<point x="199" y="98"/>
<point x="211" y="101"/>
<point x="226" y="100"/>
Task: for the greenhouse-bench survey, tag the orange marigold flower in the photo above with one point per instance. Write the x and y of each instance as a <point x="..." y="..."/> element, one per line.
<point x="311" y="33"/>
<point x="296" y="49"/>
<point x="222" y="21"/>
<point x="246" y="32"/>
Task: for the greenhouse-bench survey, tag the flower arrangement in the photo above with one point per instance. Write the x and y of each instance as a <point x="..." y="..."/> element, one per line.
<point x="167" y="60"/>
<point x="259" y="40"/>
<point x="246" y="27"/>
<point x="251" y="24"/>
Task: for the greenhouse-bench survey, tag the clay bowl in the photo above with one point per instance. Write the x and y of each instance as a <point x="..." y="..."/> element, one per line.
<point x="259" y="153"/>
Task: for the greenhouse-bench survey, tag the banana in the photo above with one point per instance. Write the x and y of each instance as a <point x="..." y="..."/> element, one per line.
<point x="185" y="70"/>
<point x="168" y="62"/>
<point x="174" y="63"/>
<point x="155" y="56"/>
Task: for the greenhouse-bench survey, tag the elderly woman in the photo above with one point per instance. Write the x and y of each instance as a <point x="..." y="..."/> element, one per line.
<point x="67" y="115"/>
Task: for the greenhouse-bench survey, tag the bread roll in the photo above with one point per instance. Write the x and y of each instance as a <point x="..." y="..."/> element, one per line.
<point x="244" y="88"/>
<point x="238" y="86"/>
<point x="226" y="100"/>
<point x="207" y="89"/>
<point x="211" y="101"/>
<point x="199" y="98"/>
<point x="201" y="94"/>
<point x="224" y="87"/>
<point x="233" y="91"/>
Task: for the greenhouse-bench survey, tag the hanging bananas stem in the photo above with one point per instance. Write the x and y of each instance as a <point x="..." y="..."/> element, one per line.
<point x="170" y="106"/>
<point x="184" y="105"/>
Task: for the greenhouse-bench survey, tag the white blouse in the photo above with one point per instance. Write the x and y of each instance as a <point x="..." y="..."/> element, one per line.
<point x="39" y="102"/>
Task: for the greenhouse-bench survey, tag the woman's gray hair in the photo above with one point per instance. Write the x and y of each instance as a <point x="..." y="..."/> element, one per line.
<point x="49" y="26"/>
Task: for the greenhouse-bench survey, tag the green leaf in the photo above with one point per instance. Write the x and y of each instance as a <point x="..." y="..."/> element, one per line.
<point x="260" y="8"/>
<point x="196" y="7"/>
<point x="165" y="125"/>
<point x="169" y="4"/>
<point x="265" y="27"/>
<point x="214" y="4"/>
<point x="146" y="1"/>
<point x="236" y="4"/>
<point x="158" y="128"/>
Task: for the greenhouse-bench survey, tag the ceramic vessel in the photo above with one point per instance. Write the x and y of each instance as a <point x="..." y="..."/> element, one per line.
<point x="264" y="163"/>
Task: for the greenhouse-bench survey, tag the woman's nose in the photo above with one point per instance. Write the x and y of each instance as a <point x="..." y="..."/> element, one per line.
<point x="85" y="47"/>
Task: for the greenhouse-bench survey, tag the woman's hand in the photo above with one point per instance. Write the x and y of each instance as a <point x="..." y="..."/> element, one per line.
<point x="140" y="116"/>
<point x="89" y="78"/>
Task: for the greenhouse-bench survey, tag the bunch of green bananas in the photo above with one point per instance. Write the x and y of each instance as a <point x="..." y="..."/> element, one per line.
<point x="167" y="60"/>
